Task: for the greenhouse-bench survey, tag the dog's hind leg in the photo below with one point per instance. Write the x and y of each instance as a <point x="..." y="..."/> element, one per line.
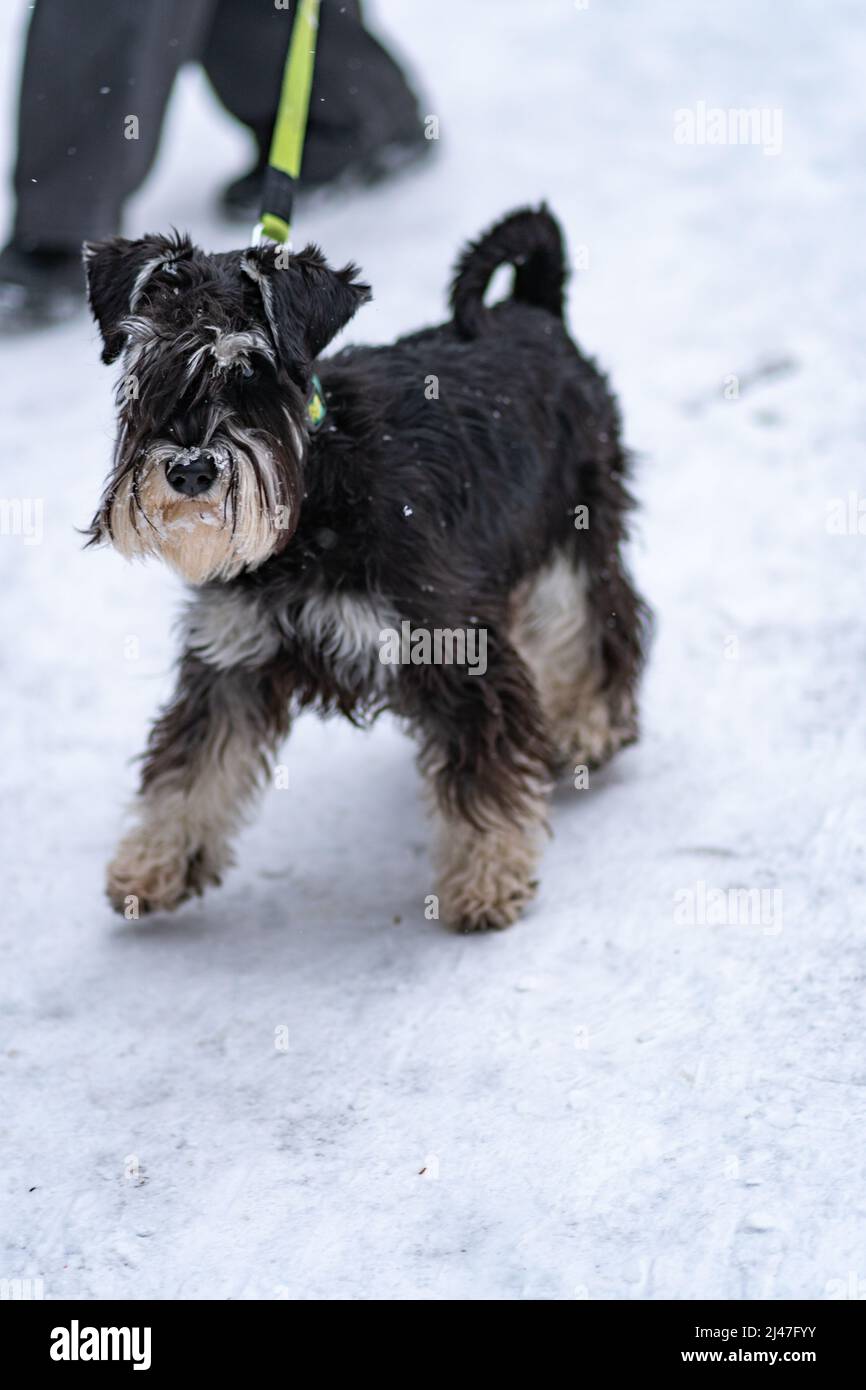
<point x="206" y="756"/>
<point x="485" y="751"/>
<point x="582" y="639"/>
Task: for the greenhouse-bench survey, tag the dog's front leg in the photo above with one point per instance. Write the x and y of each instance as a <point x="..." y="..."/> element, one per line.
<point x="206" y="756"/>
<point x="486" y="751"/>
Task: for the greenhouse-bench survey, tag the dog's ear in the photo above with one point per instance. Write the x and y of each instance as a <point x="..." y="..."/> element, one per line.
<point x="306" y="303"/>
<point x="117" y="271"/>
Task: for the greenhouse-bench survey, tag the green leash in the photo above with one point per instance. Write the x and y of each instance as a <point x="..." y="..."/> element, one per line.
<point x="287" y="141"/>
<point x="286" y="153"/>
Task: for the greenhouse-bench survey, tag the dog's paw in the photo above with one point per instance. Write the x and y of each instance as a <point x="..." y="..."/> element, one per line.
<point x="148" y="874"/>
<point x="597" y="732"/>
<point x="487" y="879"/>
<point x="472" y="912"/>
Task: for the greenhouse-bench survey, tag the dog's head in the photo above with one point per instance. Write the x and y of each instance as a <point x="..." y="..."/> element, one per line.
<point x="218" y="354"/>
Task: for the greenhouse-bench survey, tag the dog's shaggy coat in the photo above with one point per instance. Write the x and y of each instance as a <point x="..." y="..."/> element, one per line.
<point x="470" y="475"/>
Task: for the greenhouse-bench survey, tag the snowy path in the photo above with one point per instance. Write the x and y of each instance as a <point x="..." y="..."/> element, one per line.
<point x="617" y="1106"/>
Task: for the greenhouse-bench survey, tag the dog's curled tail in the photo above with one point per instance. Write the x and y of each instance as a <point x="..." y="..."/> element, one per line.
<point x="530" y="239"/>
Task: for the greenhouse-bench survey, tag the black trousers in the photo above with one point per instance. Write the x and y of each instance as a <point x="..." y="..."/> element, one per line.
<point x="90" y="65"/>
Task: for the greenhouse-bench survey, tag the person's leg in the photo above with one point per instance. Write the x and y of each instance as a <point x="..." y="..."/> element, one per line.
<point x="96" y="79"/>
<point x="94" y="89"/>
<point x="363" y="114"/>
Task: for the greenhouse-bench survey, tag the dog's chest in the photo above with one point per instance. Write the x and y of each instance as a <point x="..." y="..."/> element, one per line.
<point x="341" y="631"/>
<point x="346" y="631"/>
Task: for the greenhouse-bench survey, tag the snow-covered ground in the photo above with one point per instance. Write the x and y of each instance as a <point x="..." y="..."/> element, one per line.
<point x="607" y="1103"/>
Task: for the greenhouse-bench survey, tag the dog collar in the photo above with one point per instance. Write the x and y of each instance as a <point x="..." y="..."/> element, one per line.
<point x="316" y="408"/>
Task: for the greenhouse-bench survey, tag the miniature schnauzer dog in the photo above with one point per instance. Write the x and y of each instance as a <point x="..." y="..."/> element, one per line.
<point x="469" y="477"/>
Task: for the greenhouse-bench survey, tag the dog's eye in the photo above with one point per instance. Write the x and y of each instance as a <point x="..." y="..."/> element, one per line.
<point x="247" y="370"/>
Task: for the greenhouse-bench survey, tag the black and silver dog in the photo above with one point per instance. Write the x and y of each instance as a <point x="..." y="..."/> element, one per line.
<point x="467" y="480"/>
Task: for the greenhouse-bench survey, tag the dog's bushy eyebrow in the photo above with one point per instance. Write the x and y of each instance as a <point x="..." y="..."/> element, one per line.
<point x="231" y="345"/>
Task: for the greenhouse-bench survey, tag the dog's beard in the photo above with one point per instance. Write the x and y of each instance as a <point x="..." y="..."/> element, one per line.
<point x="247" y="513"/>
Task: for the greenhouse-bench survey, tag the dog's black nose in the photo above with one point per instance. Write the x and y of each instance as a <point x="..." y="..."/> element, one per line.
<point x="192" y="476"/>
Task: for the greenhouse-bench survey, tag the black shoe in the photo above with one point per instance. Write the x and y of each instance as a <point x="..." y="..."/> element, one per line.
<point x="363" y="167"/>
<point x="241" y="200"/>
<point x="38" y="287"/>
